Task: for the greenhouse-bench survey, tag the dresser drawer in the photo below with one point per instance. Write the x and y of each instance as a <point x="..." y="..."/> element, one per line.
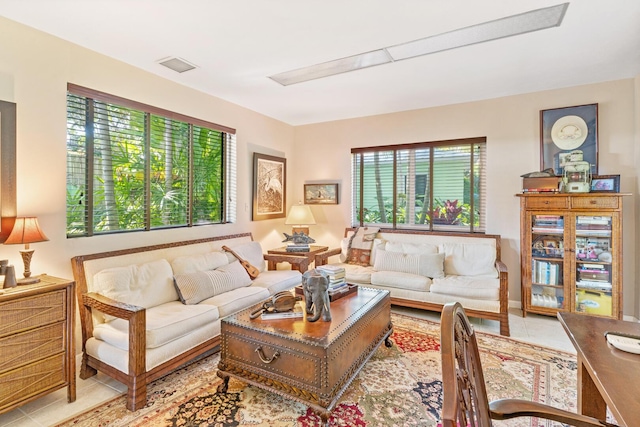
<point x="547" y="202"/>
<point x="594" y="202"/>
<point x="32" y="379"/>
<point x="26" y="313"/>
<point x="27" y="347"/>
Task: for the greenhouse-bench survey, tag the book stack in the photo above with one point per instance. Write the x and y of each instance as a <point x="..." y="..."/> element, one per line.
<point x="298" y="247"/>
<point x="337" y="282"/>
<point x="594" y="225"/>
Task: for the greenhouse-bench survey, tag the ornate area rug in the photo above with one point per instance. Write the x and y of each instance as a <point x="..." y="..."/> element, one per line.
<point x="399" y="386"/>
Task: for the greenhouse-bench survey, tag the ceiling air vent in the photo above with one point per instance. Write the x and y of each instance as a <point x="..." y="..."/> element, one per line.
<point x="176" y="64"/>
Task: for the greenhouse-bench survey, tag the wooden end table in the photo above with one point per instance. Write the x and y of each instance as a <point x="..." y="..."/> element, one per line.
<point x="310" y="254"/>
<point x="313" y="363"/>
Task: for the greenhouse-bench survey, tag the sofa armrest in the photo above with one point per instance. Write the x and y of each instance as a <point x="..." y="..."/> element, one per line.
<point x="323" y="257"/>
<point x="137" y="318"/>
<point x="503" y="275"/>
<point x="300" y="263"/>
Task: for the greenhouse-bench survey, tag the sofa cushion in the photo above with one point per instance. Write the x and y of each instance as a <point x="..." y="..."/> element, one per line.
<point x="394" y="279"/>
<point x="195" y="287"/>
<point x="249" y="251"/>
<point x="201" y="262"/>
<point x="165" y="323"/>
<point x="468" y="259"/>
<point x="411" y="248"/>
<point x="429" y="265"/>
<point x="344" y="247"/>
<point x="237" y="299"/>
<point x="482" y="288"/>
<point x="145" y="285"/>
<point x="360" y="246"/>
<point x="277" y="280"/>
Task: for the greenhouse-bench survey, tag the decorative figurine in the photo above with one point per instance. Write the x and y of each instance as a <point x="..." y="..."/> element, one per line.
<point x="298" y="238"/>
<point x="315" y="286"/>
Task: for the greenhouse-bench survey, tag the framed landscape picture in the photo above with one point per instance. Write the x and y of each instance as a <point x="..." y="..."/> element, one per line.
<point x="321" y="194"/>
<point x="269" y="187"/>
<point x="563" y="130"/>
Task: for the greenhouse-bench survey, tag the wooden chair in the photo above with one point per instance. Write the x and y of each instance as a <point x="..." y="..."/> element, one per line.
<point x="465" y="401"/>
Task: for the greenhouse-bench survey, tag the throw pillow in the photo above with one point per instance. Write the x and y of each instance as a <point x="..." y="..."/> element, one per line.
<point x="195" y="287"/>
<point x="429" y="265"/>
<point x="361" y="245"/>
<point x="249" y="251"/>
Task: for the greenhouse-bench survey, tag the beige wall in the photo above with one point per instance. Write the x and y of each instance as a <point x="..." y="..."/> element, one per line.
<point x="35" y="69"/>
<point x="34" y="72"/>
<point x="511" y="126"/>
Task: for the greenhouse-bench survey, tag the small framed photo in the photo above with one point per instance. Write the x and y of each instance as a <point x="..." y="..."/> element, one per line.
<point x="605" y="184"/>
<point x="320" y="194"/>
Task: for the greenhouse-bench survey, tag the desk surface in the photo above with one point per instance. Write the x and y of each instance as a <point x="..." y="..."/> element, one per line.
<point x="615" y="373"/>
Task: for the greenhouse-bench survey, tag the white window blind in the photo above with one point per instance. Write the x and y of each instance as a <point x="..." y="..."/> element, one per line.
<point x="135" y="167"/>
<point x="433" y="185"/>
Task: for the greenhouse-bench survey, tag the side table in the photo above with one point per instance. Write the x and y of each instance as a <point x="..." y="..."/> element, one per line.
<point x="37" y="354"/>
<point x="310" y="254"/>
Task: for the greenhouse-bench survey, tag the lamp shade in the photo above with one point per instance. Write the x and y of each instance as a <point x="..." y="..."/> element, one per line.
<point x="300" y="215"/>
<point x="26" y="230"/>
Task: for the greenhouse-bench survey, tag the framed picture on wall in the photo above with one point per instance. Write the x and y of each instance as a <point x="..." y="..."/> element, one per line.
<point x="269" y="187"/>
<point x="563" y="130"/>
<point x="321" y="194"/>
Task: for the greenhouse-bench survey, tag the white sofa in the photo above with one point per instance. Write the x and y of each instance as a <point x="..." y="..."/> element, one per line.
<point x="146" y="311"/>
<point x="429" y="269"/>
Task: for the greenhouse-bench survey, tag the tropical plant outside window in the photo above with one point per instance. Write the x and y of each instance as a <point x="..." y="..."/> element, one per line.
<point x="437" y="186"/>
<point x="133" y="167"/>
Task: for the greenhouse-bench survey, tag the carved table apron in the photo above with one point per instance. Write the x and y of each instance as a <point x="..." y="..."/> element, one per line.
<point x="310" y="362"/>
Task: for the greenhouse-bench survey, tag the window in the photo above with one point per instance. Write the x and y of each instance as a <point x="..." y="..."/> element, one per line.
<point x="433" y="185"/>
<point x="135" y="167"/>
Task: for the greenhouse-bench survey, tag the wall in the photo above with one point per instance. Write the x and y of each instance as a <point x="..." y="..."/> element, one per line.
<point x="34" y="72"/>
<point x="511" y="125"/>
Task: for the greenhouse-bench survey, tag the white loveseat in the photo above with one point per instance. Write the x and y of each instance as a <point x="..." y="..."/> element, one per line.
<point x="146" y="311"/>
<point x="429" y="269"/>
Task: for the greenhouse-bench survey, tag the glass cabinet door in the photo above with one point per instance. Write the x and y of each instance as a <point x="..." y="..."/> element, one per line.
<point x="547" y="261"/>
<point x="593" y="276"/>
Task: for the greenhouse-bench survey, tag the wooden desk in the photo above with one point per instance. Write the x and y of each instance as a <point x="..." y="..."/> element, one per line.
<point x="310" y="254"/>
<point x="607" y="377"/>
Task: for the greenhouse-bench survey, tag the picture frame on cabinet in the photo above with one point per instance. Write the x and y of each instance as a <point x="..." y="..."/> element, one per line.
<point x="567" y="129"/>
<point x="269" y="187"/>
<point x="605" y="184"/>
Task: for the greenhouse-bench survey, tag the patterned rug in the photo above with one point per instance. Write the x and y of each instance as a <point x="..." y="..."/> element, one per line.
<point x="399" y="386"/>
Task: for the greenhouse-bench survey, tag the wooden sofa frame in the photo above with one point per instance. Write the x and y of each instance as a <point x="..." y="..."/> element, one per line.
<point x="138" y="377"/>
<point x="502" y="316"/>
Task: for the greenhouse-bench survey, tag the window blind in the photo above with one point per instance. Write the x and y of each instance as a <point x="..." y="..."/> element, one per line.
<point x="130" y="169"/>
<point x="434" y="185"/>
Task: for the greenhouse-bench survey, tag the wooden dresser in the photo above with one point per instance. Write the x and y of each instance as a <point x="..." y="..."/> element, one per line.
<point x="36" y="341"/>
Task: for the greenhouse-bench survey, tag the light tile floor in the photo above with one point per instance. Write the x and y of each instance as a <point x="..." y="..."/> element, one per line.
<point x="53" y="408"/>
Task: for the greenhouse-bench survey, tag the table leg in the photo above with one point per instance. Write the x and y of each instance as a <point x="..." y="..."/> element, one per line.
<point x="590" y="401"/>
<point x="222" y="388"/>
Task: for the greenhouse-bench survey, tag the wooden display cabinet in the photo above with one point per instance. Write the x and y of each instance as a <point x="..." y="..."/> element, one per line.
<point x="36" y="341"/>
<point x="571" y="253"/>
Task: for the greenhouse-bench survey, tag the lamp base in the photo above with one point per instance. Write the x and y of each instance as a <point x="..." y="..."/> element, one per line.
<point x="28" y="281"/>
<point x="300" y="229"/>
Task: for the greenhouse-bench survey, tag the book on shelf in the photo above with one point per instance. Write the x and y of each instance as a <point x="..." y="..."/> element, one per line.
<point x="594" y="284"/>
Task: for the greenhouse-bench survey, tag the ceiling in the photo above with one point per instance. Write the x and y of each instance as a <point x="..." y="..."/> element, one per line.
<point x="237" y="44"/>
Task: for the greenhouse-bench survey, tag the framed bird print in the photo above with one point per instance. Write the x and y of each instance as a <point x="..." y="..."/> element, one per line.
<point x="564" y="130"/>
<point x="269" y="187"/>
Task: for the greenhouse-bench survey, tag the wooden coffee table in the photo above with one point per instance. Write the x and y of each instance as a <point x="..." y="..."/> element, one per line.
<point x="312" y="363"/>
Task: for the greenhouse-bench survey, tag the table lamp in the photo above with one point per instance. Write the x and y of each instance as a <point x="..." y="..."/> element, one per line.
<point x="26" y="230"/>
<point x="300" y="216"/>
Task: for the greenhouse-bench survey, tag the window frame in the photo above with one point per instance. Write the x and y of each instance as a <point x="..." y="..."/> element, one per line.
<point x="227" y="163"/>
<point x="359" y="182"/>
